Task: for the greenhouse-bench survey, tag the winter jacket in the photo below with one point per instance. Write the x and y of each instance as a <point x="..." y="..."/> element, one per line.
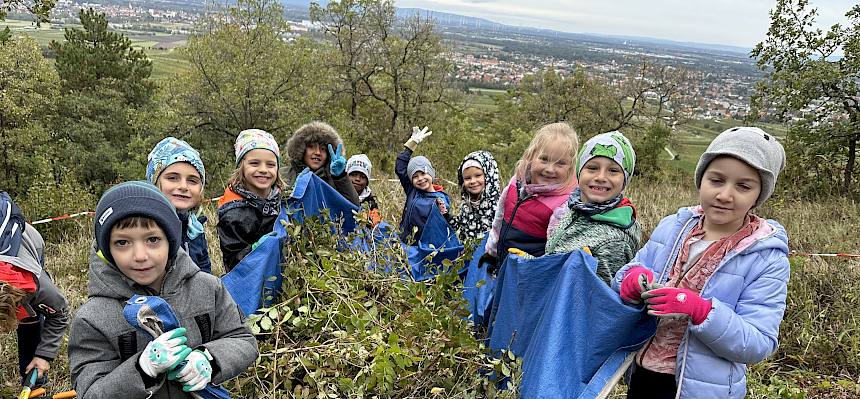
<point x="613" y="241"/>
<point x="47" y="300"/>
<point x="370" y="203"/>
<point x="324" y="135"/>
<point x="198" y="248"/>
<point x="523" y="218"/>
<point x="419" y="203"/>
<point x="240" y="225"/>
<point x="747" y="291"/>
<point x="104" y="348"/>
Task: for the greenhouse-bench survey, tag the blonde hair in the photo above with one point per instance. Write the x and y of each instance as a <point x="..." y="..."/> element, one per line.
<point x="238" y="178"/>
<point x="557" y="134"/>
<point x="10" y="298"/>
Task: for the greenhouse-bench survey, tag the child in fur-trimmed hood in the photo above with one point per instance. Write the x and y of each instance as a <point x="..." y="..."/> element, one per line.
<point x="318" y="147"/>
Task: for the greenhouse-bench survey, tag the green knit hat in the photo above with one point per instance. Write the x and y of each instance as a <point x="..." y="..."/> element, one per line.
<point x="612" y="145"/>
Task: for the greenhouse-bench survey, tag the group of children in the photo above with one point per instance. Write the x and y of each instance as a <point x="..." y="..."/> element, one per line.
<point x="714" y="274"/>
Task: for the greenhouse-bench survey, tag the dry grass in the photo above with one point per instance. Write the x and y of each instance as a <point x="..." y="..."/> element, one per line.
<point x="820" y="226"/>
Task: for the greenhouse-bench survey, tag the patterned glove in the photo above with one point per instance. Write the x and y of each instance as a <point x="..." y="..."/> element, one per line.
<point x="634" y="283"/>
<point x="677" y="302"/>
<point x="338" y="162"/>
<point x="195" y="373"/>
<point x="164" y="352"/>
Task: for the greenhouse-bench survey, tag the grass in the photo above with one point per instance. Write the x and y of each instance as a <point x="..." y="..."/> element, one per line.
<point x="66" y="258"/>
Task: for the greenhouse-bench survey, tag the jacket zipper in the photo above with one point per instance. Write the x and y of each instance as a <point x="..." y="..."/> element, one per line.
<point x="504" y="233"/>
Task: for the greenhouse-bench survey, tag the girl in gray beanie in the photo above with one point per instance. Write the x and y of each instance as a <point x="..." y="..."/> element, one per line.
<point x="715" y="275"/>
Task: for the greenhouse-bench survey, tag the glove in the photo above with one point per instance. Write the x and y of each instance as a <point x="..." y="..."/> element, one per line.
<point x="634" y="283"/>
<point x="195" y="228"/>
<point x="164" y="353"/>
<point x="338" y="162"/>
<point x="677" y="302"/>
<point x="260" y="240"/>
<point x="195" y="373"/>
<point x="491" y="261"/>
<point x="418" y="135"/>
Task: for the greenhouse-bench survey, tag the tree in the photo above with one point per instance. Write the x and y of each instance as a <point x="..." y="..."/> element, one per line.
<point x="105" y="95"/>
<point x="39" y="8"/>
<point x="390" y="73"/>
<point x="245" y="74"/>
<point x="806" y="78"/>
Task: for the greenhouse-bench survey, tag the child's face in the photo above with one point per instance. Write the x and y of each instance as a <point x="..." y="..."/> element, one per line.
<point x="422" y="181"/>
<point x="552" y="166"/>
<point x="260" y="171"/>
<point x="359" y="181"/>
<point x="182" y="185"/>
<point x="729" y="190"/>
<point x="474" y="181"/>
<point x="315" y="156"/>
<point x="601" y="179"/>
<point x="140" y="254"/>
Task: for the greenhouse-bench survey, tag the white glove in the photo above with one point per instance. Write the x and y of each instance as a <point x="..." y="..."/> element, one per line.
<point x="420" y="134"/>
<point x="195" y="373"/>
<point x="164" y="352"/>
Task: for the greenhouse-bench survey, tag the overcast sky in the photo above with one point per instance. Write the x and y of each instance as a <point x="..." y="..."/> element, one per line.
<point x="734" y="22"/>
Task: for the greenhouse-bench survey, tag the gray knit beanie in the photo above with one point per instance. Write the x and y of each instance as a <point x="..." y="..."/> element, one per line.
<point x="420" y="163"/>
<point x="135" y="198"/>
<point x="753" y="146"/>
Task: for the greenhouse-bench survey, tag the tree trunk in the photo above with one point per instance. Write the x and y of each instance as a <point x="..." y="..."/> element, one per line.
<point x="849" y="166"/>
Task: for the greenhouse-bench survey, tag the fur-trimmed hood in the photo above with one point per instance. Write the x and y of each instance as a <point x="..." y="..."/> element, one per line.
<point x="313" y="132"/>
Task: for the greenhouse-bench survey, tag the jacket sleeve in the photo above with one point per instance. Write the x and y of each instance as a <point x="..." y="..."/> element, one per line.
<point x="749" y="332"/>
<point x="611" y="256"/>
<point x="644" y="257"/>
<point x="96" y="368"/>
<point x="400" y="166"/>
<point x="235" y="236"/>
<point x="234" y="348"/>
<point x="496" y="226"/>
<point x="344" y="186"/>
<point x="50" y="302"/>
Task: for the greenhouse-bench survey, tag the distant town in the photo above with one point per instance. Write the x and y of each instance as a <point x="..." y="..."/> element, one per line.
<point x="484" y="56"/>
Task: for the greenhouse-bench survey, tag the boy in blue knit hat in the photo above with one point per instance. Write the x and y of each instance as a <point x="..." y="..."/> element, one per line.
<point x="422" y="195"/>
<point x="177" y="170"/>
<point x="137" y="251"/>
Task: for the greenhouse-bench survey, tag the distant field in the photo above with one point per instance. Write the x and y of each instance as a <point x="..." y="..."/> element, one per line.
<point x="159" y="47"/>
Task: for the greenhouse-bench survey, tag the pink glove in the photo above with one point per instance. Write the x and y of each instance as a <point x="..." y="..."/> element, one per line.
<point x="677" y="302"/>
<point x="634" y="283"/>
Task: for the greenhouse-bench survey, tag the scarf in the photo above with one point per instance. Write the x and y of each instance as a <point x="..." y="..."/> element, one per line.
<point x="574" y="202"/>
<point x="661" y="353"/>
<point x="270" y="206"/>
<point x="364" y="194"/>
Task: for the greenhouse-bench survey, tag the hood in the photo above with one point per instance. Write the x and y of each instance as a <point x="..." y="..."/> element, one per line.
<point x="105" y="280"/>
<point x="314" y="132"/>
<point x="771" y="235"/>
<point x="491" y="175"/>
<point x="30" y="253"/>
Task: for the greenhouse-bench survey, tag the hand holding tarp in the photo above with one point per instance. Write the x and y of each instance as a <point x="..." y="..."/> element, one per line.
<point x="636" y="281"/>
<point x="677" y="302"/>
<point x="164" y="353"/>
<point x="490" y="261"/>
<point x="338" y="162"/>
<point x="195" y="373"/>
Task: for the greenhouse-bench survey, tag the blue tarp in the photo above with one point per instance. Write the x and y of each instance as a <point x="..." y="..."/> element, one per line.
<point x="256" y="281"/>
<point x="311" y="195"/>
<point x="571" y="329"/>
<point x="478" y="298"/>
<point x="438" y="242"/>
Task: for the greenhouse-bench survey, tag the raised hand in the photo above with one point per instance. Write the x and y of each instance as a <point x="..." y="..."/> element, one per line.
<point x="338" y="161"/>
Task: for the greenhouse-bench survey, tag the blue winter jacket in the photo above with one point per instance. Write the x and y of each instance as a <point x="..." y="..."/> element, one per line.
<point x="418" y="204"/>
<point x="747" y="291"/>
<point x="198" y="248"/>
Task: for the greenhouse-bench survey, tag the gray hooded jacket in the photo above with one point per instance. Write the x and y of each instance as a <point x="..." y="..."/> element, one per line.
<point x="47" y="301"/>
<point x="98" y="331"/>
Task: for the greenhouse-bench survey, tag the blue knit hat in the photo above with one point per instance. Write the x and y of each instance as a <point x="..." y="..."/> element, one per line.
<point x="168" y="152"/>
<point x="135" y="198"/>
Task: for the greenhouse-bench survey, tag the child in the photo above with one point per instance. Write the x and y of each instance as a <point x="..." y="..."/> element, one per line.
<point x="478" y="177"/>
<point x="30" y="303"/>
<point x="598" y="215"/>
<point x="422" y="196"/>
<point x="137" y="251"/>
<point x="358" y="168"/>
<point x="318" y="147"/>
<point x="724" y="273"/>
<point x="542" y="182"/>
<point x="177" y="170"/>
<point x="252" y="200"/>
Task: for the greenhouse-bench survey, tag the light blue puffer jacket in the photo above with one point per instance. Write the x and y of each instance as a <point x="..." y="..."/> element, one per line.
<point x="748" y="292"/>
